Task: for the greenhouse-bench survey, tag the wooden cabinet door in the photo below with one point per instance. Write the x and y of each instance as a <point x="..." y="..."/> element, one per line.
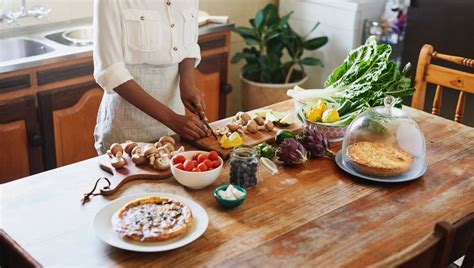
<point x="211" y="78"/>
<point x="20" y="139"/>
<point x="68" y="121"/>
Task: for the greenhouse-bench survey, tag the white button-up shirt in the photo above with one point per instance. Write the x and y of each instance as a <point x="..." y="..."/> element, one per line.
<point x="155" y="32"/>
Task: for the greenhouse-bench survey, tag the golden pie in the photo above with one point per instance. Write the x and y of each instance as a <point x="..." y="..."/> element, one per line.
<point x="153" y="219"/>
<point x="379" y="159"/>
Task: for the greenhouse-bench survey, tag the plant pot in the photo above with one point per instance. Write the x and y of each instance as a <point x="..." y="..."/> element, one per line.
<point x="256" y="95"/>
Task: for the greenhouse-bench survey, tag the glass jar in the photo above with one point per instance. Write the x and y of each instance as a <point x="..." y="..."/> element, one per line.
<point x="243" y="167"/>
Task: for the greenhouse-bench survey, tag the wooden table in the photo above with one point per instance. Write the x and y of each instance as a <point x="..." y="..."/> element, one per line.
<point x="311" y="216"/>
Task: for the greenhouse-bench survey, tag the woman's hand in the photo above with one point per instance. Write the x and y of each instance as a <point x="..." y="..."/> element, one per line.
<point x="193" y="99"/>
<point x="188" y="127"/>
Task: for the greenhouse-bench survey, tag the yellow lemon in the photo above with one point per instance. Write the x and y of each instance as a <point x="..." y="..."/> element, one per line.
<point x="314" y="115"/>
<point x="331" y="116"/>
<point x="321" y="105"/>
<point x="232" y="141"/>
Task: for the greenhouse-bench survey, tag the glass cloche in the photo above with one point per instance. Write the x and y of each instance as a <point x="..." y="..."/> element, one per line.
<point x="384" y="142"/>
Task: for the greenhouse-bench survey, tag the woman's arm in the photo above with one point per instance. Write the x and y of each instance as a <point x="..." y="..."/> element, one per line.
<point x="191" y="96"/>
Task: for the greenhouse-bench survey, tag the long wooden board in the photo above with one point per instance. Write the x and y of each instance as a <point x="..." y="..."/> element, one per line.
<point x="250" y="140"/>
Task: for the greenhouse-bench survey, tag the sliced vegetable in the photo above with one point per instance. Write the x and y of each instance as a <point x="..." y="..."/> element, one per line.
<point x="330" y="116"/>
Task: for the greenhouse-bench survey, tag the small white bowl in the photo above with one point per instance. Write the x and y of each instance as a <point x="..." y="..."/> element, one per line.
<point x="196" y="180"/>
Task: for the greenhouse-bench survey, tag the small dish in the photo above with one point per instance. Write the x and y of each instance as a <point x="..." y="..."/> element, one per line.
<point x="416" y="171"/>
<point x="196" y="180"/>
<point x="229" y="203"/>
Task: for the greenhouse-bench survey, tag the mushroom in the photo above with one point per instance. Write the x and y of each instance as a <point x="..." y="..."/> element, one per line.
<point x="232" y="127"/>
<point x="221" y="131"/>
<point x="269" y="126"/>
<point x="169" y="146"/>
<point x="118" y="161"/>
<point x="161" y="163"/>
<point x="167" y="139"/>
<point x="137" y="156"/>
<point x="180" y="150"/>
<point x="129" y="147"/>
<point x="242" y="118"/>
<point x="259" y="120"/>
<point x="158" y="144"/>
<point x="162" y="151"/>
<point x="150" y="150"/>
<point x="109" y="153"/>
<point x="251" y="127"/>
<point x="116" y="148"/>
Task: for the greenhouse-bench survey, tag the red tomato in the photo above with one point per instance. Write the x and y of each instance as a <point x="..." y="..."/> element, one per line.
<point x="179" y="166"/>
<point x="216" y="164"/>
<point x="195" y="156"/>
<point x="202" y="167"/>
<point x="179" y="159"/>
<point x="208" y="163"/>
<point x="189" y="165"/>
<point x="195" y="163"/>
<point x="213" y="156"/>
<point x="201" y="157"/>
<point x="196" y="170"/>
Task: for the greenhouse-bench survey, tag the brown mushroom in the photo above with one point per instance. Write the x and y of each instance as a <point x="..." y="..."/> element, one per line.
<point x="259" y="120"/>
<point x="137" y="156"/>
<point x="269" y="126"/>
<point x="167" y="139"/>
<point x="232" y="127"/>
<point x="118" y="161"/>
<point x="129" y="147"/>
<point x="161" y="163"/>
<point x="251" y="127"/>
<point x="169" y="146"/>
<point x="158" y="144"/>
<point x="162" y="151"/>
<point x="116" y="148"/>
<point x="150" y="150"/>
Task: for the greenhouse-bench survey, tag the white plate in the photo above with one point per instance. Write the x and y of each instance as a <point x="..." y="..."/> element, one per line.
<point x="103" y="227"/>
<point x="418" y="169"/>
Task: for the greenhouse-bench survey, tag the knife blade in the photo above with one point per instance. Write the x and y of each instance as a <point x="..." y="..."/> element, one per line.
<point x="203" y="118"/>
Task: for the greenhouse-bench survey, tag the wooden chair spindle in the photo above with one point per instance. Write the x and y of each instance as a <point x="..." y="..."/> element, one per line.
<point x="460" y="107"/>
<point x="437" y="100"/>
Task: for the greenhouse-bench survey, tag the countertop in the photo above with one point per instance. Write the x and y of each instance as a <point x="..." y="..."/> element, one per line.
<point x="62" y="52"/>
<point x="313" y="215"/>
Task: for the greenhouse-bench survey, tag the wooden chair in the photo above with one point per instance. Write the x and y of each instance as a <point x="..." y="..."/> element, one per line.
<point x="12" y="255"/>
<point x="443" y="77"/>
<point x="448" y="243"/>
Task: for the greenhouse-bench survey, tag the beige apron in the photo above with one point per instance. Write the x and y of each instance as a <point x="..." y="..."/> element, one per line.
<point x="119" y="121"/>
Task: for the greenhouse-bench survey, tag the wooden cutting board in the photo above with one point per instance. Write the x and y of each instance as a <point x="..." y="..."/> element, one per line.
<point x="249" y="140"/>
<point x="129" y="173"/>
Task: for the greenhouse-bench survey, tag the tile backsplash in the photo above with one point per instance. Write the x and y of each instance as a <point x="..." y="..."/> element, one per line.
<point x="239" y="11"/>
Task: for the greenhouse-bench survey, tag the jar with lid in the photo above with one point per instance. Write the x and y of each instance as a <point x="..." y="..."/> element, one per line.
<point x="243" y="167"/>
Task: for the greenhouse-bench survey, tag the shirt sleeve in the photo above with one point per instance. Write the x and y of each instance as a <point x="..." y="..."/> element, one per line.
<point x="194" y="51"/>
<point x="109" y="66"/>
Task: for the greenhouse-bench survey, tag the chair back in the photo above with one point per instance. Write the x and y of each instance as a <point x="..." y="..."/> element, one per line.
<point x="12" y="255"/>
<point x="442" y="77"/>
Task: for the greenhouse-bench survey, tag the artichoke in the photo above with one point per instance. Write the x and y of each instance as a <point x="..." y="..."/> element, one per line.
<point x="292" y="153"/>
<point x="315" y="142"/>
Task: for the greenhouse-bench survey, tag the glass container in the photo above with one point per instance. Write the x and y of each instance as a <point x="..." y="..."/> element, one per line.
<point x="243" y="167"/>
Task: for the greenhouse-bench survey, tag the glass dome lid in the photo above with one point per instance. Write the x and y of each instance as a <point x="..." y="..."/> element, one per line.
<point x="384" y="141"/>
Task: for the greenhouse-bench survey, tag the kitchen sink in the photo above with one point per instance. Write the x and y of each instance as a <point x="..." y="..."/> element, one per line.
<point x="74" y="38"/>
<point x="17" y="48"/>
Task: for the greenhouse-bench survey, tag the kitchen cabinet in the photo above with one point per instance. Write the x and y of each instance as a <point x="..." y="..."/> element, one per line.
<point x="20" y="139"/>
<point x="66" y="99"/>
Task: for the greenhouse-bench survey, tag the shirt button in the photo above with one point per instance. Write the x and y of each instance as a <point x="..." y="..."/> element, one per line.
<point x="168" y="3"/>
<point x="172" y="25"/>
<point x="142" y="18"/>
<point x="175" y="48"/>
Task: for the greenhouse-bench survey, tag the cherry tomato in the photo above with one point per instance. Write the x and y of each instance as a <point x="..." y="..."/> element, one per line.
<point x="195" y="156"/>
<point x="213" y="156"/>
<point x="201" y="157"/>
<point x="202" y="167"/>
<point x="216" y="164"/>
<point x="208" y="163"/>
<point x="195" y="163"/>
<point x="196" y="170"/>
<point x="179" y="166"/>
<point x="179" y="159"/>
<point x="189" y="165"/>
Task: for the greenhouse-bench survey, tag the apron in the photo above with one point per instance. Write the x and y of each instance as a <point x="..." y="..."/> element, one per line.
<point x="119" y="121"/>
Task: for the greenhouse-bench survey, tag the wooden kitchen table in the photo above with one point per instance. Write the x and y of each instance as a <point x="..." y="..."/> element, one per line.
<point x="315" y="215"/>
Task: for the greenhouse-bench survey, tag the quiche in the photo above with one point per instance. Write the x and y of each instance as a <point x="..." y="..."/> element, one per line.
<point x="153" y="219"/>
<point x="379" y="159"/>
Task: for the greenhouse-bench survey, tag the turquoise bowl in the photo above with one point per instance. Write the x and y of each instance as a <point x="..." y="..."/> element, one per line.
<point x="229" y="203"/>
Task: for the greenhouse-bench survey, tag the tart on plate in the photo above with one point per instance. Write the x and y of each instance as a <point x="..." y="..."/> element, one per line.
<point x="153" y="219"/>
<point x="379" y="159"/>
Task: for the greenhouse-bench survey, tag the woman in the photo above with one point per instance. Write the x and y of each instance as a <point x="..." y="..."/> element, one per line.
<point x="145" y="53"/>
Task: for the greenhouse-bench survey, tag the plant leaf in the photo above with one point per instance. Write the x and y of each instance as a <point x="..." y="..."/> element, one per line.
<point x="312" y="29"/>
<point x="315" y="43"/>
<point x="312" y="62"/>
<point x="259" y="19"/>
<point x="251" y="41"/>
<point x="245" y="32"/>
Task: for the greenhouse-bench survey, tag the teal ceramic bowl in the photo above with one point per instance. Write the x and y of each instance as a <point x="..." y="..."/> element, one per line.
<point x="229" y="203"/>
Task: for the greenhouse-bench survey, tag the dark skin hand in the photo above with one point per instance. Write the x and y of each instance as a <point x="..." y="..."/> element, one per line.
<point x="190" y="128"/>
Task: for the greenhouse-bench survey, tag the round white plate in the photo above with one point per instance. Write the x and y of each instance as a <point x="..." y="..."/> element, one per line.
<point x="102" y="225"/>
<point x="418" y="169"/>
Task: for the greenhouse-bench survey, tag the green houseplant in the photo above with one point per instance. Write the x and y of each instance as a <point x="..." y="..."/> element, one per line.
<point x="274" y="60"/>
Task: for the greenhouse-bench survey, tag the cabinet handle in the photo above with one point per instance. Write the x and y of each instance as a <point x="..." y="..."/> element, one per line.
<point x="36" y="140"/>
<point x="226" y="89"/>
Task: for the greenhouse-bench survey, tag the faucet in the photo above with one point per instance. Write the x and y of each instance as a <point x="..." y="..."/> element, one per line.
<point x="25" y="12"/>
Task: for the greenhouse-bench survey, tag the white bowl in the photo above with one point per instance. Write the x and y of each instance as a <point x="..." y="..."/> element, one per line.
<point x="196" y="180"/>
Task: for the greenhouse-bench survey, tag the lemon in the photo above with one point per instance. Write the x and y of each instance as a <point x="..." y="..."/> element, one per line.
<point x="263" y="113"/>
<point x="232" y="141"/>
<point x="223" y="140"/>
<point x="331" y="116"/>
<point x="321" y="105"/>
<point x="314" y="115"/>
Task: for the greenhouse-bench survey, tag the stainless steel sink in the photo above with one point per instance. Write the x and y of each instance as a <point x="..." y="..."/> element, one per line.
<point x="17" y="48"/>
<point x="77" y="37"/>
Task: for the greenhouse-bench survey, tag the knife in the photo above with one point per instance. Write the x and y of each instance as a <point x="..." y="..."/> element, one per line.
<point x="203" y="117"/>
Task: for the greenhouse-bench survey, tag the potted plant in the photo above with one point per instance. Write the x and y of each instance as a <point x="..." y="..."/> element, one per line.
<point x="274" y="59"/>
